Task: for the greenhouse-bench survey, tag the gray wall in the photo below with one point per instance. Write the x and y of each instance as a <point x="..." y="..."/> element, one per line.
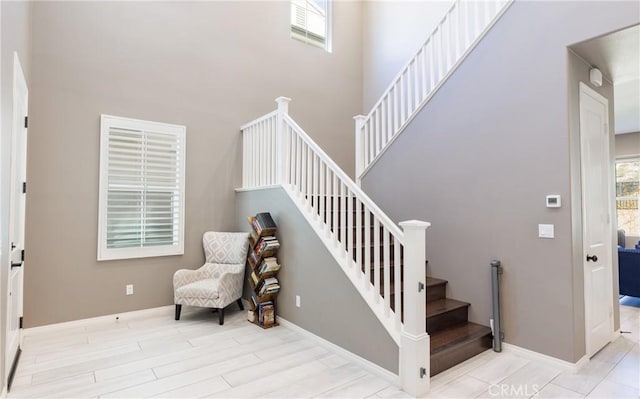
<point x="479" y="160"/>
<point x="15" y="23"/>
<point x="628" y="144"/>
<point x="330" y="306"/>
<point x="211" y="66"/>
<point x="392" y="32"/>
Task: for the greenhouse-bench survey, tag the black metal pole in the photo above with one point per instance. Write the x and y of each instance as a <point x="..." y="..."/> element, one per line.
<point x="496" y="271"/>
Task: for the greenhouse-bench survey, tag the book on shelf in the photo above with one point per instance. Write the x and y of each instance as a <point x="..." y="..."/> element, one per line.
<point x="269" y="286"/>
<point x="268" y="265"/>
<point x="266" y="313"/>
<point x="254" y="278"/>
<point x="263" y="224"/>
<point x="266" y="244"/>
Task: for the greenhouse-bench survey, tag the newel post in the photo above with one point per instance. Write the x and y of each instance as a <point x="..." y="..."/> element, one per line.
<point x="359" y="146"/>
<point x="414" y="341"/>
<point x="281" y="143"/>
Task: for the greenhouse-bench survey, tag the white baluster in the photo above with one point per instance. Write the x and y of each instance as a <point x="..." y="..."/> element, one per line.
<point x="396" y="110"/>
<point x="423" y="72"/>
<point x="323" y="202"/>
<point x="343" y="217"/>
<point x="349" y="240"/>
<point x="432" y="64"/>
<point x="416" y="85"/>
<point x="367" y="248"/>
<point x="414" y="341"/>
<point x="298" y="165"/>
<point x="358" y="243"/>
<point x="303" y="171"/>
<point x="403" y="100"/>
<point x="387" y="271"/>
<point x="376" y="260"/>
<point x="309" y="187"/>
<point x="335" y="207"/>
<point x="316" y="181"/>
<point x="409" y="83"/>
<point x="397" y="282"/>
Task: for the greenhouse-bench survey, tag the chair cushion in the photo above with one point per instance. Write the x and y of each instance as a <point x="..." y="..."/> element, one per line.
<point x="205" y="289"/>
<point x="225" y="247"/>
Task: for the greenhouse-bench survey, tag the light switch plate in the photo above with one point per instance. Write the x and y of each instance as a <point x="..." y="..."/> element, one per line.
<point x="546" y="231"/>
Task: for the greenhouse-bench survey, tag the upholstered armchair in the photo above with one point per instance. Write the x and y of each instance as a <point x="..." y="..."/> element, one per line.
<point x="219" y="281"/>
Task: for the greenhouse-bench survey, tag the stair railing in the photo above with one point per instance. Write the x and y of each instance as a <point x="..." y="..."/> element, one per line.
<point x="459" y="31"/>
<point x="366" y="243"/>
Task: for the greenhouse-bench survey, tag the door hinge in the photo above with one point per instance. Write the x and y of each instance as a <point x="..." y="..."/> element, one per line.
<point x="22" y="255"/>
<point x="24" y="187"/>
<point x="20" y="325"/>
<point x="26" y="122"/>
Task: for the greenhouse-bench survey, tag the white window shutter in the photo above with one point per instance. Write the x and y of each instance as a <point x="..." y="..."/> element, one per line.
<point x="141" y="189"/>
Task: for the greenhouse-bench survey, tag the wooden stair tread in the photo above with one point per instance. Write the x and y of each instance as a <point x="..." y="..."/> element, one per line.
<point x="432" y="281"/>
<point x="457" y="335"/>
<point x="443" y="305"/>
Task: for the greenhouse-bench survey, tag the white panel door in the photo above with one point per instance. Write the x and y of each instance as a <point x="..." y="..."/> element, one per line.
<point x="596" y="217"/>
<point x="17" y="213"/>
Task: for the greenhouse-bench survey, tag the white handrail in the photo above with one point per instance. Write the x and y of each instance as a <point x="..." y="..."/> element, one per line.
<point x="364" y="198"/>
<point x="459" y="31"/>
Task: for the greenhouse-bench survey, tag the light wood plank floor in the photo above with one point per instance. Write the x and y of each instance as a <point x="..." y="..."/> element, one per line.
<point x="154" y="356"/>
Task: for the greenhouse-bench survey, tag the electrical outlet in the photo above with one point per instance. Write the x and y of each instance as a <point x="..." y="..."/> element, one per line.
<point x="297" y="301"/>
<point x="129" y="289"/>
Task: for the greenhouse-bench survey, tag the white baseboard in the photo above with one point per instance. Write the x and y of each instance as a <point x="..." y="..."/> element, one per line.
<point x="550" y="360"/>
<point x="3" y="393"/>
<point x="112" y="317"/>
<point x="364" y="363"/>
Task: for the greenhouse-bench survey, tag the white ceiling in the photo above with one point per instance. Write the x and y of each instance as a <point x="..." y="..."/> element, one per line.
<point x="617" y="55"/>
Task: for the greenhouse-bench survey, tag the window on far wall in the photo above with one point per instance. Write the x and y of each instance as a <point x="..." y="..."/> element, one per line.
<point x="310" y="22"/>
<point x="627" y="195"/>
<point x="142" y="168"/>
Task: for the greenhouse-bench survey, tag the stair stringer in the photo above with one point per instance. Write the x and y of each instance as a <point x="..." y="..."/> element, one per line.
<point x="385" y="315"/>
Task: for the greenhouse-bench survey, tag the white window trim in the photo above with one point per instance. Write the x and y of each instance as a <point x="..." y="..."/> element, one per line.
<point x="104" y="253"/>
<point x="328" y="47"/>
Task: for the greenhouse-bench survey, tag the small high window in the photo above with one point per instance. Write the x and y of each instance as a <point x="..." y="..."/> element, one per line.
<point x="310" y="22"/>
<point x="142" y="168"/>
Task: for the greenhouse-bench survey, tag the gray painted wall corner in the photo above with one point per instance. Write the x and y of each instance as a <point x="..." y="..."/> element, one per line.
<point x="330" y="306"/>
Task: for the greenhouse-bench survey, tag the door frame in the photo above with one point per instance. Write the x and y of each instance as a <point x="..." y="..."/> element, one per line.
<point x="586" y="90"/>
<point x="18" y="146"/>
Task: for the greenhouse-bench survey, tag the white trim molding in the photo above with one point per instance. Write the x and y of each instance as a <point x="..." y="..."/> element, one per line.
<point x="116" y="317"/>
<point x="549" y="360"/>
<point x="364" y="363"/>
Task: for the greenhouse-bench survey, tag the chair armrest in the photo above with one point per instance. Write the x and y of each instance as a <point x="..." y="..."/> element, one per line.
<point x="186" y="276"/>
<point x="231" y="280"/>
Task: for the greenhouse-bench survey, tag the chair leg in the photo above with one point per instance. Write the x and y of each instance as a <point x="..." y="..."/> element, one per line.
<point x="178" y="309"/>
<point x="221" y="316"/>
<point x="240" y="305"/>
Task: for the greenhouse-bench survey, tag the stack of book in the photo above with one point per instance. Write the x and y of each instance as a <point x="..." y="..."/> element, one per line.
<point x="266" y="313"/>
<point x="269" y="286"/>
<point x="263" y="225"/>
<point x="267" y="244"/>
<point x="268" y="265"/>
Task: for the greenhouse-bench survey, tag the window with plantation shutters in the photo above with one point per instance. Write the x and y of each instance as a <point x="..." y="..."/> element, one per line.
<point x="310" y="22"/>
<point x="141" y="210"/>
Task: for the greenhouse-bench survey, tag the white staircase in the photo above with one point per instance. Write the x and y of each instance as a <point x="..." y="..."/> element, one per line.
<point x="459" y="31"/>
<point x="391" y="276"/>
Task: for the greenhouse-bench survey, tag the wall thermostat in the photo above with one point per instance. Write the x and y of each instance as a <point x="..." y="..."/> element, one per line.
<point x="553" y="201"/>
